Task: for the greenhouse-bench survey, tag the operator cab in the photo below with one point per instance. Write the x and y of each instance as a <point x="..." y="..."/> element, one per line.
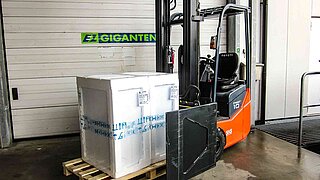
<point x="230" y="90"/>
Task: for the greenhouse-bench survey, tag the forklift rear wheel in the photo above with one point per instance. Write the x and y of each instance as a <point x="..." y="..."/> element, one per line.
<point x="221" y="142"/>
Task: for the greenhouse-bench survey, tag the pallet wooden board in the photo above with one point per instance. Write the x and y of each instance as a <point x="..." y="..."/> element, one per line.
<point x="86" y="171"/>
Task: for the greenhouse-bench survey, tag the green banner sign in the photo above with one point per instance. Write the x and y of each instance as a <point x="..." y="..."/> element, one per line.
<point x="96" y="38"/>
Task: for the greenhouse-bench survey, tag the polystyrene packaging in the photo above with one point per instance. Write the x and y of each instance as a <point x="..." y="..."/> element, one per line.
<point x="164" y="97"/>
<point x="122" y="119"/>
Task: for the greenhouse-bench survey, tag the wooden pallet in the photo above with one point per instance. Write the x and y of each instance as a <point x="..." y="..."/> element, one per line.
<point x="86" y="171"/>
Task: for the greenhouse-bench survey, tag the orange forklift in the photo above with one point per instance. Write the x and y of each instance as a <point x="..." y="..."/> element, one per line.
<point x="215" y="105"/>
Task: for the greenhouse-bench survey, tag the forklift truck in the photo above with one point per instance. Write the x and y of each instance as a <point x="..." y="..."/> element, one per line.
<point x="215" y="106"/>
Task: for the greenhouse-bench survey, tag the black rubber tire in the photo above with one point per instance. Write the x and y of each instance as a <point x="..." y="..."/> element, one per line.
<point x="221" y="142"/>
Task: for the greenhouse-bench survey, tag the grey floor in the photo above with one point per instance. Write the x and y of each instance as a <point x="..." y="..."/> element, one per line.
<point x="38" y="159"/>
<point x="260" y="156"/>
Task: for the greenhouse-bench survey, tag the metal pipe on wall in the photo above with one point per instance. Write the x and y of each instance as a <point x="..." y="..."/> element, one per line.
<point x="5" y="113"/>
<point x="255" y="24"/>
<point x="264" y="61"/>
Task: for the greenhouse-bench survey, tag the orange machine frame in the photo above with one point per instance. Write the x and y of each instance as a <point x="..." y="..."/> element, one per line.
<point x="238" y="126"/>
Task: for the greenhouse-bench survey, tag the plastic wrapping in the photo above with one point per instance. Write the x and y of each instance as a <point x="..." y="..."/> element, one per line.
<point x="120" y="128"/>
<point x="164" y="97"/>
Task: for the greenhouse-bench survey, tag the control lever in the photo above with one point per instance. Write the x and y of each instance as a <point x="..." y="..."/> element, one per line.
<point x="207" y="74"/>
<point x="208" y="71"/>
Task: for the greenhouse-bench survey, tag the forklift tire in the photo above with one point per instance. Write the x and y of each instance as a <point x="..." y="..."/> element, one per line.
<point x="221" y="142"/>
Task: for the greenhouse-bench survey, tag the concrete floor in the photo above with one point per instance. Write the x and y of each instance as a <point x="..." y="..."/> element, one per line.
<point x="38" y="159"/>
<point x="261" y="156"/>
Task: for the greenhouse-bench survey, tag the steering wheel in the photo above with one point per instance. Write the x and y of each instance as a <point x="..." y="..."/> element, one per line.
<point x="208" y="59"/>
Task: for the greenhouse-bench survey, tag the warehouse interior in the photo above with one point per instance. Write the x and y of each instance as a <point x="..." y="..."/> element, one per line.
<point x="160" y="89"/>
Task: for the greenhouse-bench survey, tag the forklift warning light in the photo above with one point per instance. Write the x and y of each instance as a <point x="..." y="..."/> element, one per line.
<point x="96" y="38"/>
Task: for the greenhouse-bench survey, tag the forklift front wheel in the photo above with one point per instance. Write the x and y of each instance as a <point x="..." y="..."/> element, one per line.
<point x="221" y="142"/>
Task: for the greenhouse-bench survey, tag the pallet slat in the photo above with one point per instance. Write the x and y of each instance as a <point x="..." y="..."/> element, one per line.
<point x="68" y="164"/>
<point x="72" y="162"/>
<point x="99" y="177"/>
<point x="88" y="172"/>
<point x="85" y="171"/>
<point x="78" y="168"/>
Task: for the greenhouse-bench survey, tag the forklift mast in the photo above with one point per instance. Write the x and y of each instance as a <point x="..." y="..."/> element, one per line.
<point x="189" y="72"/>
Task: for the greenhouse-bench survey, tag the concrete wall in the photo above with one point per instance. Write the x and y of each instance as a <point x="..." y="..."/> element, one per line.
<point x="314" y="81"/>
<point x="315" y="7"/>
<point x="288" y="55"/>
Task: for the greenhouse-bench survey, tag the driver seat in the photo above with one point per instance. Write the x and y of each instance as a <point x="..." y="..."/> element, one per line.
<point x="227" y="76"/>
<point x="229" y="89"/>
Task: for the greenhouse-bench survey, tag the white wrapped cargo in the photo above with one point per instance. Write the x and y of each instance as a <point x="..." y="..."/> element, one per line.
<point x="122" y="119"/>
<point x="164" y="97"/>
<point x="111" y="138"/>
